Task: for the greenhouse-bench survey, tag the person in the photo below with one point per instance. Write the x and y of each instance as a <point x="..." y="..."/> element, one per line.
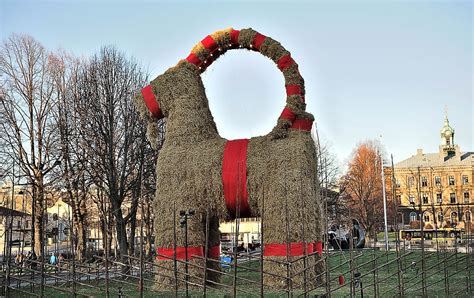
<point x="33" y="259"/>
<point x="61" y="258"/>
<point x="17" y="259"/>
<point x="53" y="259"/>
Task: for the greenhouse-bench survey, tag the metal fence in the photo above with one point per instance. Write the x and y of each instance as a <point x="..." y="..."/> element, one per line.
<point x="403" y="270"/>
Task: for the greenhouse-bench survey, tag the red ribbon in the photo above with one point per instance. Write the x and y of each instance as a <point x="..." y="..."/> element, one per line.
<point x="151" y="102"/>
<point x="258" y="40"/>
<point x="209" y="43"/>
<point x="214" y="252"/>
<point x="196" y="251"/>
<point x="192" y="58"/>
<point x="168" y="253"/>
<point x="288" y="114"/>
<point x="318" y="247"/>
<point x="293" y="90"/>
<point x="302" y="124"/>
<point x="234" y="36"/>
<point x="234" y="177"/>
<point x="285" y="62"/>
<point x="295" y="249"/>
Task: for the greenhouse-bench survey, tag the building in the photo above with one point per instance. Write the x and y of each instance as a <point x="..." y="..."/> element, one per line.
<point x="436" y="188"/>
<point x="57" y="216"/>
<point x="12" y="226"/>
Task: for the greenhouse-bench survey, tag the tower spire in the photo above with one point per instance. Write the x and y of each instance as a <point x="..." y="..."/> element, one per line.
<point x="447" y="132"/>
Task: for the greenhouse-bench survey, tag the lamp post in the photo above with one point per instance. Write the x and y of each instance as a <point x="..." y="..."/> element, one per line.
<point x="384" y="199"/>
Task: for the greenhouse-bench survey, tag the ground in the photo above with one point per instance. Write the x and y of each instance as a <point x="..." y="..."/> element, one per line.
<point x="446" y="269"/>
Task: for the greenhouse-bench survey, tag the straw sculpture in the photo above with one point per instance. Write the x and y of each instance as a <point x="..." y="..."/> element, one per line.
<point x="199" y="170"/>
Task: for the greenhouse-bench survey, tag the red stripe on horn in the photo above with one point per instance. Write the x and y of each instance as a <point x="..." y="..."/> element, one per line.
<point x="295" y="249"/>
<point x="234" y="37"/>
<point x="168" y="253"/>
<point x="288" y="114"/>
<point x="285" y="62"/>
<point x="151" y="102"/>
<point x="209" y="43"/>
<point x="192" y="58"/>
<point x="234" y="177"/>
<point x="258" y="40"/>
<point x="302" y="124"/>
<point x="293" y="90"/>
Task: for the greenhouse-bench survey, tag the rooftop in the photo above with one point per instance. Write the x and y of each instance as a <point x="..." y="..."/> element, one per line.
<point x="437" y="160"/>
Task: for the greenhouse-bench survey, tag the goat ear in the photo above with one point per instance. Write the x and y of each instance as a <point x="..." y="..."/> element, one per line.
<point x="151" y="102"/>
<point x="150" y="111"/>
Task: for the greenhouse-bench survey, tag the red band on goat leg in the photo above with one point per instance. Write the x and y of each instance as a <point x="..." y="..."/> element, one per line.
<point x="302" y="124"/>
<point x="318" y="247"/>
<point x="287" y="114"/>
<point x="296" y="249"/>
<point x="151" y="103"/>
<point x="168" y="253"/>
<point x="234" y="177"/>
<point x="214" y="252"/>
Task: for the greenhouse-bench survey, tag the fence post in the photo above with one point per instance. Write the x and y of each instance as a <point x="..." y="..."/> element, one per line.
<point x="206" y="247"/>
<point x="262" y="216"/>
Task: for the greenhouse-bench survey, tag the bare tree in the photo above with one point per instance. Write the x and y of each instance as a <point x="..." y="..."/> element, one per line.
<point x="115" y="136"/>
<point x="329" y="175"/>
<point x="66" y="72"/>
<point x="27" y="126"/>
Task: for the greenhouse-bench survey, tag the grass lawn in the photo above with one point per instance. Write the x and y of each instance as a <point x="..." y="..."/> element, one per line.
<point x="383" y="280"/>
<point x="392" y="236"/>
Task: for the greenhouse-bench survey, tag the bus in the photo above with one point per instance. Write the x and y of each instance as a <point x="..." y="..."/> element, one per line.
<point x="441" y="234"/>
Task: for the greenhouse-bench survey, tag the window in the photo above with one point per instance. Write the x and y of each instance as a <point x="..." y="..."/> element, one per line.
<point x="468" y="215"/>
<point x="397" y="182"/>
<point x="18" y="226"/>
<point x="424" y="181"/>
<point x="439" y="198"/>
<point x="425" y="199"/>
<point x="411" y="198"/>
<point x="399" y="198"/>
<point x="454" y="217"/>
<point x="440" y="217"/>
<point x="451" y="180"/>
<point x="466" y="197"/>
<point x="465" y="180"/>
<point x="438" y="181"/>
<point x="452" y="198"/>
<point x="426" y="216"/>
<point x="412" y="216"/>
<point x="410" y="181"/>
